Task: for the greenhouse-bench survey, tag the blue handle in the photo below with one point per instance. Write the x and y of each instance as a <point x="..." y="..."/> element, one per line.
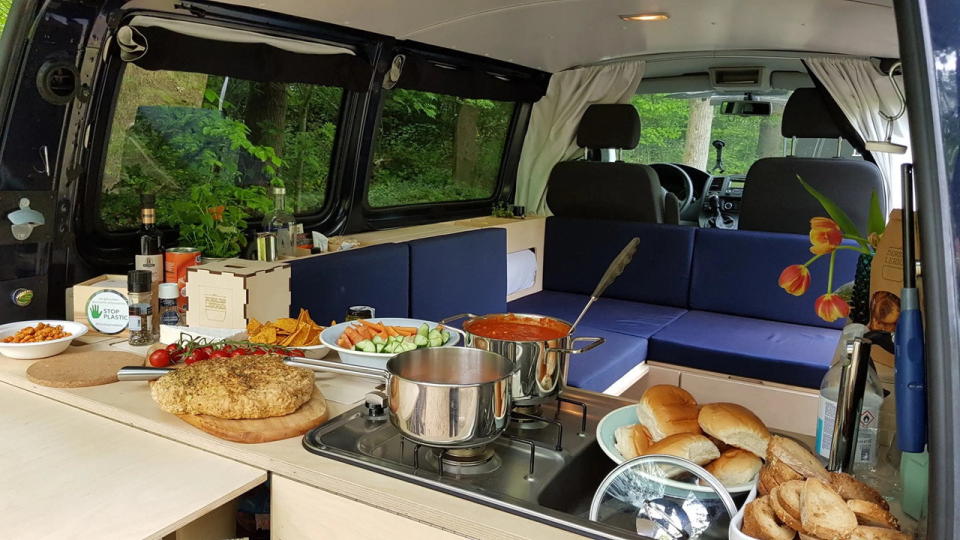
<point x="911" y="381"/>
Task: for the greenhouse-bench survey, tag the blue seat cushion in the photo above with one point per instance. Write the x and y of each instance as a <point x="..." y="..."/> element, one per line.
<point x="376" y="276"/>
<point x="459" y="273"/>
<point x="621" y="316"/>
<point x="578" y="251"/>
<point x="746" y="347"/>
<point x="736" y="272"/>
<point x="598" y="368"/>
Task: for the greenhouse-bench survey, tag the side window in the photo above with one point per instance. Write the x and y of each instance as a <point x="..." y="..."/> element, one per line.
<point x="437" y="148"/>
<point x="194" y="139"/>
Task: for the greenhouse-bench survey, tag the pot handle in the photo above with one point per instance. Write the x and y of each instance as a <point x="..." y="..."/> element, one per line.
<point x="596" y="342"/>
<point x="336" y="367"/>
<point x="448" y="320"/>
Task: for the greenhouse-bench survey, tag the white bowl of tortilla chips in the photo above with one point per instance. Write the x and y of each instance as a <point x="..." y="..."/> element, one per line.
<point x="300" y="333"/>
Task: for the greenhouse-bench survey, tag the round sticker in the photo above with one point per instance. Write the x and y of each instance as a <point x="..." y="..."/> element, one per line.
<point x="108" y="312"/>
<point x="22" y="297"/>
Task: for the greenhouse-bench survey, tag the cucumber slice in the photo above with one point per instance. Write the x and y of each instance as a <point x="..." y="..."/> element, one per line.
<point x="423" y="330"/>
<point x="436" y="342"/>
<point x="445" y="335"/>
<point x="408" y="347"/>
<point x="366" y="346"/>
<point x="435" y="334"/>
<point x="378" y="340"/>
<point x="421" y="340"/>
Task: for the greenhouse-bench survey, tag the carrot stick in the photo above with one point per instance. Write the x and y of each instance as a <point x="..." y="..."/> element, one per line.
<point x="372" y="325"/>
<point x="391" y="331"/>
<point x="384" y="335"/>
<point x="352" y="335"/>
<point x="344" y="341"/>
<point x="411" y="329"/>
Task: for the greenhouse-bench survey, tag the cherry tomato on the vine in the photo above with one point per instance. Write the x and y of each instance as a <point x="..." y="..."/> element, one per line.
<point x="159" y="358"/>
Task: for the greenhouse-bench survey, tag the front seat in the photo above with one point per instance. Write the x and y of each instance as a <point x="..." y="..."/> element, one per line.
<point x="609" y="189"/>
<point x="773" y="198"/>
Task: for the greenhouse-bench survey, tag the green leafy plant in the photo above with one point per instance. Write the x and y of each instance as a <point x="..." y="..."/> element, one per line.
<point x="213" y="218"/>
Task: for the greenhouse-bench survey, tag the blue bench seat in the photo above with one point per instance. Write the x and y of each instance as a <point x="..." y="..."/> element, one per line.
<point x="774" y="351"/>
<point x="597" y="369"/>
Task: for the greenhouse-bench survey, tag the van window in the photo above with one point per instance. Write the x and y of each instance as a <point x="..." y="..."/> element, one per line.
<point x="437" y="148"/>
<point x="680" y="128"/>
<point x="182" y="135"/>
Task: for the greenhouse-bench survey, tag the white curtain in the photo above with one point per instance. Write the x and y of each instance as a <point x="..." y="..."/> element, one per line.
<point x="862" y="91"/>
<point x="551" y="136"/>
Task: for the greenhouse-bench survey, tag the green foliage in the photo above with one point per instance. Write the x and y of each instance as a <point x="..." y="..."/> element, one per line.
<point x="5" y="7"/>
<point x="213" y="217"/>
<point x="839" y="216"/>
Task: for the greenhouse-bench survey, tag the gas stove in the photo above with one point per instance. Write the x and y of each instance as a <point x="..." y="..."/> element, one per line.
<point x="546" y="466"/>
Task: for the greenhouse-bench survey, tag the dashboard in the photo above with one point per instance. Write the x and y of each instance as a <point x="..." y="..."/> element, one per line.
<point x="714" y="201"/>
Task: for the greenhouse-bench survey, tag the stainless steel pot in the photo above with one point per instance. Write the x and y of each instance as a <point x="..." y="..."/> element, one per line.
<point x="448" y="397"/>
<point x="541" y="365"/>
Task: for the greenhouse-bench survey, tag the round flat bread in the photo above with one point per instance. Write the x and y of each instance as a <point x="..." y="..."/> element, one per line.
<point x="235" y="388"/>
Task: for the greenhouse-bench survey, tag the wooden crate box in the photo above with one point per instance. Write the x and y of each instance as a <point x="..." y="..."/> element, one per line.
<point x="227" y="294"/>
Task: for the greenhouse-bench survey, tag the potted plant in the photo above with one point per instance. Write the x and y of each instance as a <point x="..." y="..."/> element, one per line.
<point x="214" y="217"/>
<point x="826" y="238"/>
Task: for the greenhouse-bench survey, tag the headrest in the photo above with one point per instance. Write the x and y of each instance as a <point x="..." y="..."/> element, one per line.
<point x="807" y="115"/>
<point x="613" y="125"/>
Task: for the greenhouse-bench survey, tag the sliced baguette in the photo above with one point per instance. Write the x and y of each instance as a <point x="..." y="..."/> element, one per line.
<point x="760" y="522"/>
<point x="872" y="515"/>
<point x="782" y="514"/>
<point x="876" y="533"/>
<point x="823" y="513"/>
<point x="794" y="455"/>
<point x="850" y="488"/>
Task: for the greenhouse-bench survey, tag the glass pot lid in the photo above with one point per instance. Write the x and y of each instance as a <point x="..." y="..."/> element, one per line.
<point x="663" y="497"/>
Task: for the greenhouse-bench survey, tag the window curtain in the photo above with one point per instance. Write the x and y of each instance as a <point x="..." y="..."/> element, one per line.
<point x="862" y="91"/>
<point x="551" y="136"/>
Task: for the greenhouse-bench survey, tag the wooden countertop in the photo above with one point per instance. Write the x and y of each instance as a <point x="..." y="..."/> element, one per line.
<point x="130" y="403"/>
<point x="67" y="472"/>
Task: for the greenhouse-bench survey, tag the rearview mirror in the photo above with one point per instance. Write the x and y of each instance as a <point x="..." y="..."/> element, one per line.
<point x="745" y="108"/>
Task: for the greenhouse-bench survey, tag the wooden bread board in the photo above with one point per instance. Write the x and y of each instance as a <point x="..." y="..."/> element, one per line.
<point x="310" y="415"/>
<point x="75" y="370"/>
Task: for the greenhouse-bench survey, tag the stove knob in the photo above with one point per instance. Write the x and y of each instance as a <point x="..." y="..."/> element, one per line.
<point x="375" y="402"/>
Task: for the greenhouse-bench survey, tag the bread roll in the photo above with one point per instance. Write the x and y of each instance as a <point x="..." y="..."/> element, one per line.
<point x="736" y="426"/>
<point x="823" y="513"/>
<point x="798" y="458"/>
<point x="631" y="441"/>
<point x="872" y="515"/>
<point x="690" y="446"/>
<point x="760" y="522"/>
<point x="735" y="467"/>
<point x="667" y="410"/>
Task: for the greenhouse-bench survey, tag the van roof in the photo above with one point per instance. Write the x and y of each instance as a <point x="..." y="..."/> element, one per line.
<point x="553" y="35"/>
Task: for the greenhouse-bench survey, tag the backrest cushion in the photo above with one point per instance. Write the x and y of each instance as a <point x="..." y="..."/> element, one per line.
<point x="736" y="272"/>
<point x="775" y="201"/>
<point x="578" y="251"/>
<point x="595" y="190"/>
<point x="459" y="273"/>
<point x="377" y="276"/>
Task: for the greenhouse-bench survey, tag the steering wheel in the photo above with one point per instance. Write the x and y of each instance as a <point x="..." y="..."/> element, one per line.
<point x="677" y="181"/>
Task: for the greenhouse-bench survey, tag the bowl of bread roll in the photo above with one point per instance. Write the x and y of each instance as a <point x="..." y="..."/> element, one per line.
<point x="727" y="439"/>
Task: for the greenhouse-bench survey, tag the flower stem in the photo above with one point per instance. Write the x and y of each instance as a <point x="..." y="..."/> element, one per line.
<point x="833" y="256"/>
<point x="815" y="257"/>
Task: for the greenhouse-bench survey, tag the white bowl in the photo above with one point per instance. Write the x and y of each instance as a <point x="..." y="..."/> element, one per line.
<point x="309" y="351"/>
<point x="330" y="336"/>
<point x="627" y="416"/>
<point x="43" y="349"/>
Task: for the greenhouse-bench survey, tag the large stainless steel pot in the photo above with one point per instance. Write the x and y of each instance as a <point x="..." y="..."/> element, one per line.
<point x="448" y="397"/>
<point x="541" y="365"/>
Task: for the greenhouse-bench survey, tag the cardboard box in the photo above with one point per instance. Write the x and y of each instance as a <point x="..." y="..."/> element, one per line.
<point x="108" y="313"/>
<point x="227" y="294"/>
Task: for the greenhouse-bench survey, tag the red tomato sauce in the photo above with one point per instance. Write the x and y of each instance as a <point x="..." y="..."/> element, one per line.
<point x="514" y="328"/>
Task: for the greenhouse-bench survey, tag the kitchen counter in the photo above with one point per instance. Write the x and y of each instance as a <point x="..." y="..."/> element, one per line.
<point x="129" y="403"/>
<point x="66" y="471"/>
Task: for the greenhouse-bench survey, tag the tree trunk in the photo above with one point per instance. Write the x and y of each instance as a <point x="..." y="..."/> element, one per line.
<point x="769" y="140"/>
<point x="696" y="149"/>
<point x="266" y="117"/>
<point x="466" y="146"/>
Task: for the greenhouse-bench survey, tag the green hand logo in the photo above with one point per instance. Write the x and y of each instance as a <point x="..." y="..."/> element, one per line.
<point x="95" y="312"/>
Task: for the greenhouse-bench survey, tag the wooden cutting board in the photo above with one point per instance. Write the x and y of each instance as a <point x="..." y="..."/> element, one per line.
<point x="310" y="415"/>
<point x="73" y="370"/>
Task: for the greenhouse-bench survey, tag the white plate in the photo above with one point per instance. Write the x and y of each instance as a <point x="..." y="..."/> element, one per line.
<point x="330" y="336"/>
<point x="627" y="416"/>
<point x="311" y="351"/>
<point x="43" y="349"/>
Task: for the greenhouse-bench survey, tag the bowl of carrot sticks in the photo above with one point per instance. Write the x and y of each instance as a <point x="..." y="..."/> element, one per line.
<point x="371" y="342"/>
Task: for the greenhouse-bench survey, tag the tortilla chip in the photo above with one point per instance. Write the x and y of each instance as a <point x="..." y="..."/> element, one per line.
<point x="305" y="317"/>
<point x="299" y="338"/>
<point x="267" y="335"/>
<point x="253" y="326"/>
<point x="287" y="325"/>
<point x="313" y="338"/>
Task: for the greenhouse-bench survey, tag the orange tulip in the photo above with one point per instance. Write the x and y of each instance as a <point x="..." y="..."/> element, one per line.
<point x="795" y="279"/>
<point x="216" y="212"/>
<point x="825" y="235"/>
<point x="831" y="307"/>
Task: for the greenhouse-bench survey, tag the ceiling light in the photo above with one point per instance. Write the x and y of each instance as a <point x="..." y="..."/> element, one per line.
<point x="646" y="17"/>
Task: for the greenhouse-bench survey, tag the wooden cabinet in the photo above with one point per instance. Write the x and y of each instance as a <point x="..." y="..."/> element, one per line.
<point x="299" y="511"/>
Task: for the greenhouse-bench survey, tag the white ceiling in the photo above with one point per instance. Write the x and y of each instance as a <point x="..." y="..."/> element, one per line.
<point x="553" y="35"/>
